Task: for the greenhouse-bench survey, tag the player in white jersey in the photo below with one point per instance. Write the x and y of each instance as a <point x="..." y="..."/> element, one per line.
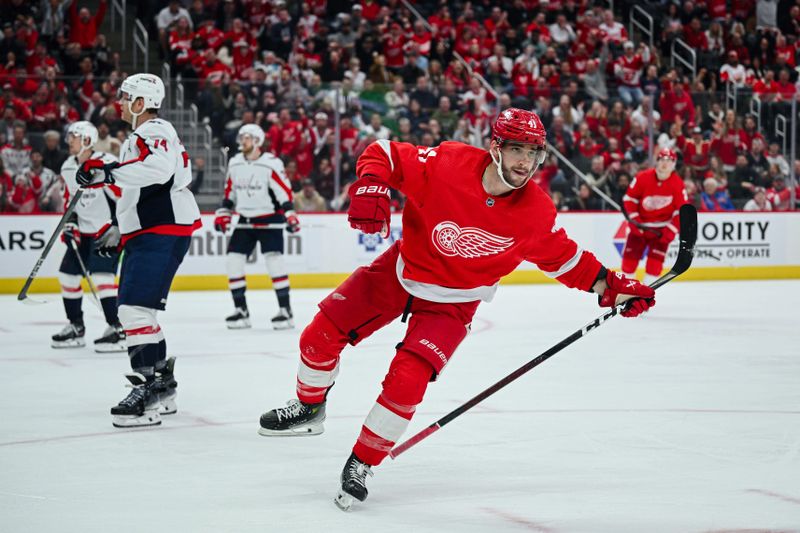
<point x="92" y="225"/>
<point x="258" y="189"/>
<point x="157" y="214"/>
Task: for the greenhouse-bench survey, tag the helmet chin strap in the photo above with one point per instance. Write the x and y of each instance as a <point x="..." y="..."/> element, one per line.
<point x="134" y="116"/>
<point x="499" y="164"/>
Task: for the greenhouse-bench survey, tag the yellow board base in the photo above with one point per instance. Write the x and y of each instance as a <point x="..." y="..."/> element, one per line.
<point x="319" y="281"/>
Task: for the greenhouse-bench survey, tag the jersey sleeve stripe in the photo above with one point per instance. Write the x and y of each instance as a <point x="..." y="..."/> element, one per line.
<point x="566" y="267"/>
<point x="627" y="198"/>
<point x="387" y="147"/>
<point x="282" y="185"/>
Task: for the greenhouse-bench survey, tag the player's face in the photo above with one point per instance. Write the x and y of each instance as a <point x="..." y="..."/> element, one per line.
<point x="246" y="143"/>
<point x="665" y="166"/>
<point x="519" y="162"/>
<point x="74" y="144"/>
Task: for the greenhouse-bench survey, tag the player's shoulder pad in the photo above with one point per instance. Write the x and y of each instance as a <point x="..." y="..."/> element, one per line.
<point x="157" y="127"/>
<point x="271" y="160"/>
<point x="236" y="160"/>
<point x="105" y="156"/>
<point x="70" y="163"/>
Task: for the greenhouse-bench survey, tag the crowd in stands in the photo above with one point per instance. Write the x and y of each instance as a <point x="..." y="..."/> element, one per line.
<point x="55" y="68"/>
<point x="294" y="67"/>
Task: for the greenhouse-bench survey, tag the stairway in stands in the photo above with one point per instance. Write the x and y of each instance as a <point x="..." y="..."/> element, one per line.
<point x="196" y="136"/>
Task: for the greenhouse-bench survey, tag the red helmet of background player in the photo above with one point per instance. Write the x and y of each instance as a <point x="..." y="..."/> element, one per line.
<point x="666" y="153"/>
<point x="519" y="125"/>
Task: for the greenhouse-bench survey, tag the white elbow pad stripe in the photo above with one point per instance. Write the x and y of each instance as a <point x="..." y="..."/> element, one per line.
<point x="387" y="147"/>
<point x="385" y="423"/>
<point x="672" y="228"/>
<point x="566" y="267"/>
<point x="316" y="378"/>
<point x="627" y="198"/>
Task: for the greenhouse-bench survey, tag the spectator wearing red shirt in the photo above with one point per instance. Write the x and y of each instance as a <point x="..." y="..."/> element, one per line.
<point x="393" y="43"/>
<point x="84" y="26"/>
<point x="726" y="141"/>
<point x="677" y="102"/>
<point x="211" y="35"/>
<point x="749" y="132"/>
<point x="696" y="152"/>
<point x="694" y="35"/>
<point x="628" y="71"/>
<point x="370" y="9"/>
<point x="779" y="195"/>
<point x="212" y="70"/>
<point x="785" y="51"/>
<point x="22" y="198"/>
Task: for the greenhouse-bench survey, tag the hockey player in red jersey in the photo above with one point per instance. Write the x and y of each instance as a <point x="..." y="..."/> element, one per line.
<point x="471" y="218"/>
<point x="652" y="201"/>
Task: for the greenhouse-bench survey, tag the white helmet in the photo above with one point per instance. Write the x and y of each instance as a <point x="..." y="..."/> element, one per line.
<point x="83" y="129"/>
<point x="253" y="130"/>
<point x="146" y="86"/>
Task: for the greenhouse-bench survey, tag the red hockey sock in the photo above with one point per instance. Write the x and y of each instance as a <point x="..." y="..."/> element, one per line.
<point x="403" y="389"/>
<point x="320" y="345"/>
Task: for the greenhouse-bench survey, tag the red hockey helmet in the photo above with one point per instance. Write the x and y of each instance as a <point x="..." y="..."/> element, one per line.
<point x="667" y="153"/>
<point x="520" y="126"/>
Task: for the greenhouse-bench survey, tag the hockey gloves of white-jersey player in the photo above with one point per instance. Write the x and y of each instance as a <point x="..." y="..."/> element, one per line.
<point x="639" y="297"/>
<point x="107" y="243"/>
<point x="292" y="224"/>
<point x="70" y="231"/>
<point x="87" y="172"/>
<point x="222" y="219"/>
<point x="369" y="209"/>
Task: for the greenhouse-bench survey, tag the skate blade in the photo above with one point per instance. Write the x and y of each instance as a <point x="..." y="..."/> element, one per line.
<point x="68" y="344"/>
<point x="343" y="500"/>
<point x="239" y="324"/>
<point x="107" y="347"/>
<point x="305" y="431"/>
<point x="283" y="325"/>
<point x="149" y="418"/>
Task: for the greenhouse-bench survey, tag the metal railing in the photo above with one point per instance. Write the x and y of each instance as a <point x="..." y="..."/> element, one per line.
<point x="166" y="77"/>
<point x="118" y="11"/>
<point x="641" y="20"/>
<point x="755" y="110"/>
<point x="730" y="96"/>
<point x="140" y="47"/>
<point x="781" y="132"/>
<point x="684" y="54"/>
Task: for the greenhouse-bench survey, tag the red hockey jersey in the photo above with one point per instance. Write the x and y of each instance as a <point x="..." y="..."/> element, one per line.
<point x="458" y="241"/>
<point x="655" y="203"/>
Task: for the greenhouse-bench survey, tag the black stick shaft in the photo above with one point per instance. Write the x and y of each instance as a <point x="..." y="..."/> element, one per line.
<point x="61" y="223"/>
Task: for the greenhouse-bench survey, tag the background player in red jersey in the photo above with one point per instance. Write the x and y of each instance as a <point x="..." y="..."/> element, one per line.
<point x="653" y="200"/>
<point x="471" y="218"/>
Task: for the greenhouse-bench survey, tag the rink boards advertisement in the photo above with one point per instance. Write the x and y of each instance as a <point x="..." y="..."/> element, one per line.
<point x="729" y="246"/>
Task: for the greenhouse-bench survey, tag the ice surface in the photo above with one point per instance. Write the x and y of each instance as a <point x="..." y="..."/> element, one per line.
<point x="686" y="420"/>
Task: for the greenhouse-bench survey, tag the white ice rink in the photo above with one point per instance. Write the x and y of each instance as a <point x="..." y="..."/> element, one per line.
<point x="685" y="421"/>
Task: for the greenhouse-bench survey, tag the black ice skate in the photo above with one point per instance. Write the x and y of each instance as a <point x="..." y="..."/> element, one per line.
<point x="140" y="407"/>
<point x="113" y="340"/>
<point x="283" y="320"/>
<point x="240" y="319"/>
<point x="70" y="337"/>
<point x="167" y="388"/>
<point x="354" y="483"/>
<point x="295" y="420"/>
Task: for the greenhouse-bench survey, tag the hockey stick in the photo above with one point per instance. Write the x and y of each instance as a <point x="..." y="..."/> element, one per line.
<point x="86" y="275"/>
<point x="23" y="294"/>
<point x="688" y="236"/>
